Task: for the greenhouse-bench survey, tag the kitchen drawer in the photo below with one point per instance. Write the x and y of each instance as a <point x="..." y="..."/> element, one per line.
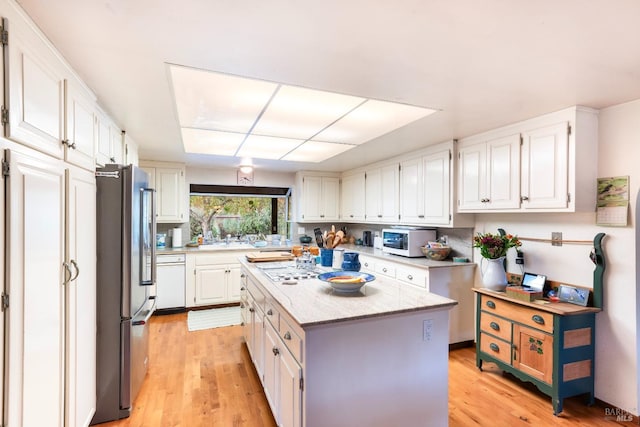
<point x="386" y="269"/>
<point x="495" y="325"/>
<point x="291" y="339"/>
<point x="272" y="314"/>
<point x="367" y="264"/>
<point x="536" y="319"/>
<point x="495" y="347"/>
<point x="414" y="276"/>
<point x="256" y="294"/>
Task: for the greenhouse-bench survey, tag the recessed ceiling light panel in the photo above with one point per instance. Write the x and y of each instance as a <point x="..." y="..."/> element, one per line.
<point x="296" y="112"/>
<point x="211" y="142"/>
<point x="267" y="147"/>
<point x="313" y="151"/>
<point x="228" y="115"/>
<point x="370" y="120"/>
<point x="215" y="101"/>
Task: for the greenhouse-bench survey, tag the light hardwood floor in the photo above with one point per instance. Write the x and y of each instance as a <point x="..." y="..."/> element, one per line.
<point x="205" y="378"/>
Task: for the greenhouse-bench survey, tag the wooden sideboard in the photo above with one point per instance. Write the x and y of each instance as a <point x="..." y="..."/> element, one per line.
<point x="551" y="345"/>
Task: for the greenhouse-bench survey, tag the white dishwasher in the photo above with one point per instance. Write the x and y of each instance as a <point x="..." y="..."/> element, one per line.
<point x="170" y="280"/>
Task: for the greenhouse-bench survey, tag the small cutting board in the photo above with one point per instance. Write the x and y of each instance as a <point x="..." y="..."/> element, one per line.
<point x="269" y="256"/>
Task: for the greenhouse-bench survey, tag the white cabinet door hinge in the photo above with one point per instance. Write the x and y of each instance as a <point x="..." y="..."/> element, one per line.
<point x="4" y="116"/>
<point x="6" y="169"/>
<point x="5" y="301"/>
<point x="301" y="383"/>
<point x="4" y="33"/>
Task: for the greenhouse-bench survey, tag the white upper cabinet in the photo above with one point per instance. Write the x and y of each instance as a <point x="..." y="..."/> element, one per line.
<point x="318" y="197"/>
<point x="545" y="164"/>
<point x="412" y="191"/>
<point x="545" y="154"/>
<point x="168" y="179"/>
<point x="102" y="139"/>
<point x="36" y="88"/>
<point x="108" y="141"/>
<point x="382" y="204"/>
<point x="79" y="130"/>
<point x="117" y="144"/>
<point x="130" y="151"/>
<point x="436" y="171"/>
<point x="425" y="193"/>
<point x="489" y="174"/>
<point x="353" y="197"/>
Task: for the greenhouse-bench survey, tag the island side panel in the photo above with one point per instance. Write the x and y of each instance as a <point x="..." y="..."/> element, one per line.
<point x="378" y="372"/>
<point x="457" y="283"/>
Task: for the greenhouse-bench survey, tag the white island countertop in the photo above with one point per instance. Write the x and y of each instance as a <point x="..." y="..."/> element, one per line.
<point x="314" y="302"/>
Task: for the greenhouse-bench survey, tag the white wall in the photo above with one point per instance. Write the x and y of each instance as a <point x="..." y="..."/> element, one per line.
<point x="616" y="366"/>
<point x="229" y="177"/>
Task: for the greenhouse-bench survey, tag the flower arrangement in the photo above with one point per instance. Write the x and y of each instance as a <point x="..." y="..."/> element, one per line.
<point x="494" y="246"/>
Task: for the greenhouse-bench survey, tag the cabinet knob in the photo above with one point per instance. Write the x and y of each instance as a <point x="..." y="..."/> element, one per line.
<point x="410" y="277"/>
<point x="524" y="198"/>
<point x="242" y="276"/>
<point x="251" y="309"/>
<point x="113" y="159"/>
<point x="384" y="269"/>
<point x="275" y="351"/>
<point x="287" y="335"/>
<point x="379" y="216"/>
<point x="242" y="288"/>
<point x="420" y="216"/>
<point x="270" y="312"/>
<point x="366" y="264"/>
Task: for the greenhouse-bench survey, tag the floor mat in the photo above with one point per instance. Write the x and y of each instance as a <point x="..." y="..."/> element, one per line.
<point x="198" y="320"/>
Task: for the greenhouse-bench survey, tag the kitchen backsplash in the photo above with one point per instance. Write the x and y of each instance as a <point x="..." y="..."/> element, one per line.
<point x="460" y="239"/>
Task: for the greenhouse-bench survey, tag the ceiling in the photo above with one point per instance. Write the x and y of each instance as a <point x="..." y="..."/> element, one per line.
<point x="482" y="64"/>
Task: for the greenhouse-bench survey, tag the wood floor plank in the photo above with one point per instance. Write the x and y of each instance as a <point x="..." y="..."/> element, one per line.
<point x="206" y="378"/>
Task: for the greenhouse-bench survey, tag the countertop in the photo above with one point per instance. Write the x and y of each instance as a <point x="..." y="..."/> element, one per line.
<point x="313" y="302"/>
<point x="364" y="250"/>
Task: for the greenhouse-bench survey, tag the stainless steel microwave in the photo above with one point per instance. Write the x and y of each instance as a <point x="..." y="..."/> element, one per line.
<point x="406" y="242"/>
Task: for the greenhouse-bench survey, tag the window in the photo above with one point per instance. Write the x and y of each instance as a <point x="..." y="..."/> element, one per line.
<point x="216" y="211"/>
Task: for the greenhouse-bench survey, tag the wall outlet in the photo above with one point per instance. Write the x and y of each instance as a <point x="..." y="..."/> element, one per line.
<point x="556" y="238"/>
<point x="301" y="230"/>
<point x="427" y="329"/>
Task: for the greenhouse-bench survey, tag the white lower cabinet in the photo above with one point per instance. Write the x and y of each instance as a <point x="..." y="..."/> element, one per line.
<point x="276" y="351"/>
<point x="214" y="279"/>
<point x="50" y="288"/>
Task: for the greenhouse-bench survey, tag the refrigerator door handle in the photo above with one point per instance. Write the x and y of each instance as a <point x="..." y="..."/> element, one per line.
<point x="147" y="233"/>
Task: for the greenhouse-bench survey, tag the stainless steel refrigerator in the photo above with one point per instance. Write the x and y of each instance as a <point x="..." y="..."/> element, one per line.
<point x="126" y="270"/>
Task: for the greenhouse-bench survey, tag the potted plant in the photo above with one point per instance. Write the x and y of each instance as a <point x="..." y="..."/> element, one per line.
<point x="493" y="248"/>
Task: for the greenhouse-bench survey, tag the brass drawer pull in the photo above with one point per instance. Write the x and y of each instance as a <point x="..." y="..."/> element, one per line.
<point x="287" y="335"/>
<point x="538" y="319"/>
<point x="491" y="304"/>
<point x="494" y="347"/>
<point x="494" y="326"/>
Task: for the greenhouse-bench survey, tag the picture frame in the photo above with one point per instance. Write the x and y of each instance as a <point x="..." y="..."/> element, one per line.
<point x="574" y="295"/>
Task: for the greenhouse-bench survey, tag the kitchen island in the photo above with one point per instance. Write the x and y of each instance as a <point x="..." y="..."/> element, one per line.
<point x="377" y="357"/>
